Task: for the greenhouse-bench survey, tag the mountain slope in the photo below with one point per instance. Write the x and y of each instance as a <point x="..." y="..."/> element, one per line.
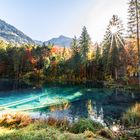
<point x="10" y="34"/>
<point x="38" y="42"/>
<point x="61" y="41"/>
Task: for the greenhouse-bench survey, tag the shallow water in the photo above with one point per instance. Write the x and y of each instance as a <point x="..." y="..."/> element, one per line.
<point x="68" y="101"/>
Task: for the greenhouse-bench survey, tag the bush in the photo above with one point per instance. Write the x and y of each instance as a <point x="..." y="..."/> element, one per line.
<point x="33" y="76"/>
<point x="15" y="120"/>
<point x="109" y="79"/>
<point x="61" y="124"/>
<point x="132" y="117"/>
<point x="85" y="124"/>
<point x="106" y="134"/>
<point x="135" y="133"/>
<point x="88" y="134"/>
<point x="125" y="137"/>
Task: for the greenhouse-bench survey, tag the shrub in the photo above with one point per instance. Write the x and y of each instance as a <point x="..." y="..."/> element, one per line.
<point x="135" y="133"/>
<point x="33" y="76"/>
<point x="88" y="134"/>
<point x="124" y="137"/>
<point x="15" y="120"/>
<point x="62" y="124"/>
<point x="132" y="117"/>
<point x="109" y="79"/>
<point x="85" y="124"/>
<point x="106" y="134"/>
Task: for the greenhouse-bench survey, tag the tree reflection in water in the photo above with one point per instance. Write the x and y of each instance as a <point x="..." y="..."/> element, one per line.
<point x="94" y="114"/>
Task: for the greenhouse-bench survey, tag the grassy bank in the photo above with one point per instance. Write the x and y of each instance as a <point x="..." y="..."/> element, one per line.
<point x="20" y="126"/>
<point x="43" y="131"/>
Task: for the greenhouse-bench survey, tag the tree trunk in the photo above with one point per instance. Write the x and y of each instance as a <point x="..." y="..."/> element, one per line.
<point x="116" y="74"/>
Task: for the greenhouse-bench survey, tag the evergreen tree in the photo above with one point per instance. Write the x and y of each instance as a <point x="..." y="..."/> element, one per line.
<point x="98" y="67"/>
<point x="98" y="54"/>
<point x="64" y="54"/>
<point x="75" y="56"/>
<point x="74" y="46"/>
<point x="132" y="18"/>
<point x="134" y="25"/>
<point x="3" y="61"/>
<point x="113" y="45"/>
<point x="84" y="44"/>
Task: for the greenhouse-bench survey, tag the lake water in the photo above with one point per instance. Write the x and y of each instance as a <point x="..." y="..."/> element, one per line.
<point x="67" y="101"/>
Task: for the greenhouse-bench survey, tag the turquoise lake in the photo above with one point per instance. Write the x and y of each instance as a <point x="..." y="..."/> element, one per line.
<point x="68" y="101"/>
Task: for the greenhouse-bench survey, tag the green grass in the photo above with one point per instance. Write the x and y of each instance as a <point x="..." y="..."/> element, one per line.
<point x="42" y="131"/>
<point x="85" y="124"/>
<point x="35" y="131"/>
<point x="132" y="117"/>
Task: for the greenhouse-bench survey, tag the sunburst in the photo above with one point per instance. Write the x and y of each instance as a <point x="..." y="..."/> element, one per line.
<point x="114" y="32"/>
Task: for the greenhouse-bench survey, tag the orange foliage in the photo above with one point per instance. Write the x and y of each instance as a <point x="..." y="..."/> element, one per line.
<point x="54" y="49"/>
<point x="29" y="56"/>
<point x="15" y="120"/>
<point x="28" y="50"/>
<point x="132" y="60"/>
<point x="33" y="60"/>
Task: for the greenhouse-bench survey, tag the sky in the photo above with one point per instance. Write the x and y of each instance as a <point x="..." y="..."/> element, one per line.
<point x="45" y="19"/>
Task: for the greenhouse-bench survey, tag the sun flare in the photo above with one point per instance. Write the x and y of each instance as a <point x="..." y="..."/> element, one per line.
<point x="113" y="29"/>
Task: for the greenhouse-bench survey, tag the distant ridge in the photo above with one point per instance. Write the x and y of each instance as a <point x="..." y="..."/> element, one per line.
<point x="11" y="34"/>
<point x="61" y="41"/>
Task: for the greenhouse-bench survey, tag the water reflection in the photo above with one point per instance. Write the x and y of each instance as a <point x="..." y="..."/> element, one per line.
<point x="63" y="106"/>
<point x="133" y="95"/>
<point x="99" y="104"/>
<point x="94" y="114"/>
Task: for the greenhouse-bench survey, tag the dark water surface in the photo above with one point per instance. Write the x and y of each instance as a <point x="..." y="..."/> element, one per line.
<point x="66" y="100"/>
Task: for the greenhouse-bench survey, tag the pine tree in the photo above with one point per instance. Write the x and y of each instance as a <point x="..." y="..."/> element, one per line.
<point x="75" y="56"/>
<point x="64" y="54"/>
<point x="132" y="18"/>
<point x="84" y="44"/>
<point x="113" y="44"/>
<point x="134" y="25"/>
<point x="74" y="46"/>
<point x="98" y="54"/>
